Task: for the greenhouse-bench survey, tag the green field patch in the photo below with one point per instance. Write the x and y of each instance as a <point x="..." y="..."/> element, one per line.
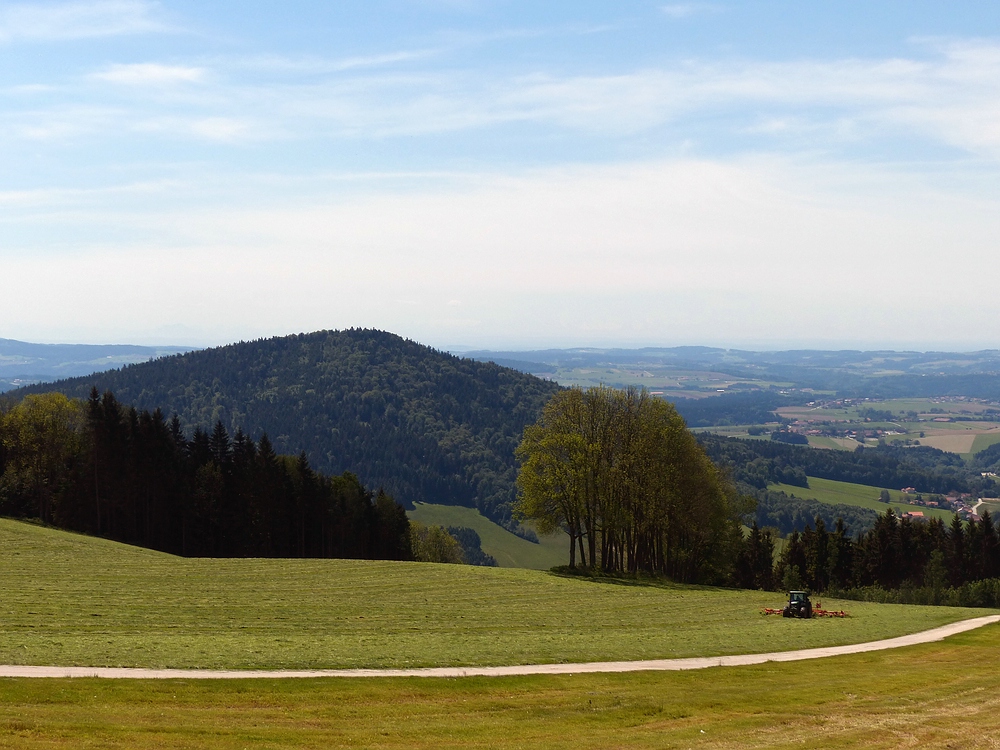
<point x="510" y="551"/>
<point x="937" y="695"/>
<point x="830" y="443"/>
<point x="983" y="442"/>
<point x="858" y="495"/>
<point x="930" y="407"/>
<point x="74" y="600"/>
<point x="673" y="381"/>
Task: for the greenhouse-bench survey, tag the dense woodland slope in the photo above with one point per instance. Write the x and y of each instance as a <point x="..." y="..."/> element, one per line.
<point x="422" y="424"/>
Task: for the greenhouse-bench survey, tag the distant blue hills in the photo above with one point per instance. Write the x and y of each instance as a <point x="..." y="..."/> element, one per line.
<point x="23" y="363"/>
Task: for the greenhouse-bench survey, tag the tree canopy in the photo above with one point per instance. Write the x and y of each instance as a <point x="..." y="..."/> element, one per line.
<point x="619" y="471"/>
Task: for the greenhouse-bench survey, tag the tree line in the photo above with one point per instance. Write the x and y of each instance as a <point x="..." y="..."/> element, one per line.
<point x="103" y="468"/>
<point x="894" y="554"/>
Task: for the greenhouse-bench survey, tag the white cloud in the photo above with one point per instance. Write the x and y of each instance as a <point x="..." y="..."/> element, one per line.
<point x="219" y="128"/>
<point x="686" y="10"/>
<point x="319" y="65"/>
<point x="149" y="74"/>
<point x="77" y="20"/>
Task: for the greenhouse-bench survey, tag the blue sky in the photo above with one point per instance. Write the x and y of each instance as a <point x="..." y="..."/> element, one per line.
<point x="502" y="174"/>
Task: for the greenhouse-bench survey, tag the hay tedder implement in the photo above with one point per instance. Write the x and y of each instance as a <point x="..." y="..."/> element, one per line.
<point x="799" y="606"/>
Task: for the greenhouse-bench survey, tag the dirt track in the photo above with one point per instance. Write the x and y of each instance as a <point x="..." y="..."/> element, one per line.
<point x="927" y="636"/>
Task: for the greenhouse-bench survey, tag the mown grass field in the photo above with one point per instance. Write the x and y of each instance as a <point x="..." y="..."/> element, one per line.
<point x="74" y="600"/>
<point x="941" y="695"/>
<point x="858" y="495"/>
<point x="832" y="443"/>
<point x="982" y="442"/>
<point x="509" y="550"/>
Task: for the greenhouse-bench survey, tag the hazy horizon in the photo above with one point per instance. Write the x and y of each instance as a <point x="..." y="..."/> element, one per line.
<point x="460" y="348"/>
<point x="502" y="174"/>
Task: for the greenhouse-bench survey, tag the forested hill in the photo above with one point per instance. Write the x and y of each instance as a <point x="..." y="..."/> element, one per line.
<point x="425" y="425"/>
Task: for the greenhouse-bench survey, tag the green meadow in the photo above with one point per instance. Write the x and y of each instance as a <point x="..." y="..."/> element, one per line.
<point x="982" y="442"/>
<point x="940" y="695"/>
<point x="858" y="495"/>
<point x="510" y="551"/>
<point x="73" y="600"/>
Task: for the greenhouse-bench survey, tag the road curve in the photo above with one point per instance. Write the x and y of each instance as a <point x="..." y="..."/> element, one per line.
<point x="927" y="636"/>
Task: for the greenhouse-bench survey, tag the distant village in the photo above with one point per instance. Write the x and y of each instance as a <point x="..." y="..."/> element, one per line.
<point x="965" y="505"/>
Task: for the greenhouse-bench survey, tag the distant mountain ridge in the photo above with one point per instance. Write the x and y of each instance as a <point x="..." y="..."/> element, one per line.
<point x="425" y="425"/>
<point x="877" y="373"/>
<point x="21" y="361"/>
<point x="859" y="362"/>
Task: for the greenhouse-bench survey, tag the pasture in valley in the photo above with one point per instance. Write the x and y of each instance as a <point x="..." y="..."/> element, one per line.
<point x="858" y="495"/>
<point x="510" y="551"/>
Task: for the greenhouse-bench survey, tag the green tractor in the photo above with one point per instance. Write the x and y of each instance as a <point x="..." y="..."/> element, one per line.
<point x="798" y="605"/>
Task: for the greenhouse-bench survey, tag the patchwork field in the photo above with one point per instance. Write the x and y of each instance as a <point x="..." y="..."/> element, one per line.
<point x="672" y="381"/>
<point x="957" y="425"/>
<point x="858" y="495"/>
<point x="833" y="443"/>
<point x="510" y="551"/>
<point x="74" y="600"/>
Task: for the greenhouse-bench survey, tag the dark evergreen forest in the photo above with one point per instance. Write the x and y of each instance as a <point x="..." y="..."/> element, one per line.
<point x="895" y="560"/>
<point x="422" y="424"/>
<point x="106" y="469"/>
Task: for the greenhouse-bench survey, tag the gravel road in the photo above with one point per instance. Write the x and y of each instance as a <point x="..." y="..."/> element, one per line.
<point x="927" y="636"/>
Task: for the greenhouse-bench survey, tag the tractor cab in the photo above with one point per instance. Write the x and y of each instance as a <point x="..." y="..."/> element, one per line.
<point x="798" y="605"/>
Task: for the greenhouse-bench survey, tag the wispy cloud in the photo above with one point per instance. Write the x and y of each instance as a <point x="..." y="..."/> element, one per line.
<point x="319" y="65"/>
<point x="78" y="20"/>
<point x="144" y="74"/>
<point x="686" y="10"/>
<point x="947" y="95"/>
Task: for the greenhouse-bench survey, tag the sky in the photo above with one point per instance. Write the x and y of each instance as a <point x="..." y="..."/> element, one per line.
<point x="499" y="174"/>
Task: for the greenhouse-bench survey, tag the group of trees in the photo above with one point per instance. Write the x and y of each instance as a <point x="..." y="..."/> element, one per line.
<point x="455" y="544"/>
<point x="895" y="553"/>
<point x="620" y="472"/>
<point x="103" y="468"/>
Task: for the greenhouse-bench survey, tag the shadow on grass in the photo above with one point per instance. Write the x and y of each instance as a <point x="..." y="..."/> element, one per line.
<point x="645" y="580"/>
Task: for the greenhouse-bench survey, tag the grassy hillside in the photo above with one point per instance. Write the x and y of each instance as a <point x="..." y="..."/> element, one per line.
<point x="423" y="424"/>
<point x="509" y="550"/>
<point x="75" y="600"/>
<point x="858" y="495"/>
<point x="936" y="696"/>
